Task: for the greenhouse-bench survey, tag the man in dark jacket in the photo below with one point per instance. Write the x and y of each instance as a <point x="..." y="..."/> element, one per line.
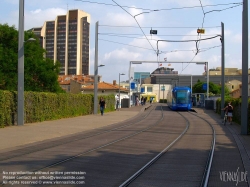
<point x="102" y="105"/>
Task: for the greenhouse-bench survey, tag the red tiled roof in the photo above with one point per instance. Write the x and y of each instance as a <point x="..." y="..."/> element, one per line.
<point x="65" y="79"/>
<point x="104" y="86"/>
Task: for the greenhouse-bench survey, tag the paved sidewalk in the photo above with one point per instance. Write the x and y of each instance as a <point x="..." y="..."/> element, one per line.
<point x="229" y="143"/>
<point x="14" y="136"/>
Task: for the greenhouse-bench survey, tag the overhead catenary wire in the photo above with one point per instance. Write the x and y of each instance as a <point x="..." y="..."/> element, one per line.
<point x="126" y="44"/>
<point x="199" y="34"/>
<point x="139" y="35"/>
<point x="158" y="27"/>
<point x="138" y="25"/>
<point x="203" y="20"/>
<point x="172" y="51"/>
<point x="236" y="4"/>
<point x="164" y="9"/>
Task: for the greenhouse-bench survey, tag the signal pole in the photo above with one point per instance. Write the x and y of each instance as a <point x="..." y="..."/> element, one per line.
<point x="244" y="92"/>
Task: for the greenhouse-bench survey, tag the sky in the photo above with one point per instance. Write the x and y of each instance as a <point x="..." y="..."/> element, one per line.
<point x="124" y="32"/>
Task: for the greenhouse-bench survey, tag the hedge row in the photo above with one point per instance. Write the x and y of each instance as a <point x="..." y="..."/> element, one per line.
<point x="40" y="106"/>
<point x="163" y="101"/>
<point x="236" y="111"/>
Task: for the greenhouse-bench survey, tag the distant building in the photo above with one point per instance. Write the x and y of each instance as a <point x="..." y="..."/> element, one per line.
<point x="66" y="39"/>
<point x="228" y="71"/>
<point x="140" y="76"/>
<point x="75" y="83"/>
<point x="164" y="70"/>
<point x="105" y="88"/>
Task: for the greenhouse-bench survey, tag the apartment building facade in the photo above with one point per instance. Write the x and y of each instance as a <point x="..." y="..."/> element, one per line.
<point x="66" y="39"/>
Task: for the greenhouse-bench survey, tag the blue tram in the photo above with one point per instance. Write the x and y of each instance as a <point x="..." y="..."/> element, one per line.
<point x="179" y="98"/>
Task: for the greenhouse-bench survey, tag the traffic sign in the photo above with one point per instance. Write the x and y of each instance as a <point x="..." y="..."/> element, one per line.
<point x="153" y="31"/>
<point x="201" y="31"/>
<point x="132" y="85"/>
<point x="204" y="86"/>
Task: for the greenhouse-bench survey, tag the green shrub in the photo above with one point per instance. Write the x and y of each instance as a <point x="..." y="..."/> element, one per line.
<point x="42" y="106"/>
<point x="163" y="101"/>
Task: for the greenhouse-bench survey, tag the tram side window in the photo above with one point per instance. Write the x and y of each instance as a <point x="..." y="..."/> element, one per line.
<point x="173" y="97"/>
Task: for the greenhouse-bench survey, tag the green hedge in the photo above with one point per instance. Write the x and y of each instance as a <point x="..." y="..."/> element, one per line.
<point x="237" y="109"/>
<point x="41" y="106"/>
<point x="163" y="101"/>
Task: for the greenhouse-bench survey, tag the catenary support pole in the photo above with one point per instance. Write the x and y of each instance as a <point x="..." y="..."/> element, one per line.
<point x="222" y="69"/>
<point x="96" y="69"/>
<point x="244" y="93"/>
<point x="129" y="80"/>
<point x="20" y="89"/>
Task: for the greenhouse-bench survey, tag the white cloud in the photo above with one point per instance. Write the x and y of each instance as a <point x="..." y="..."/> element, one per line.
<point x="39" y="16"/>
<point x="190" y="2"/>
<point x="237" y="38"/>
<point x="36" y="17"/>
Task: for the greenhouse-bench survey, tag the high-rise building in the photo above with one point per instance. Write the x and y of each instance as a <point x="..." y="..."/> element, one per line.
<point x="66" y="39"/>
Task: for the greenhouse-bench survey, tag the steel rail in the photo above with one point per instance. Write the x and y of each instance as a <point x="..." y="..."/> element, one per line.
<point x="95" y="149"/>
<point x="240" y="143"/>
<point x="82" y="138"/>
<point x="207" y="170"/>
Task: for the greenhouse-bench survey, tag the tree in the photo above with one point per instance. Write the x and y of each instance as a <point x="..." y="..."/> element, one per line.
<point x="40" y="74"/>
<point x="213" y="88"/>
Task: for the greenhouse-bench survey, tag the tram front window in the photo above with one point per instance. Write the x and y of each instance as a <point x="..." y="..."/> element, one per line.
<point x="182" y="97"/>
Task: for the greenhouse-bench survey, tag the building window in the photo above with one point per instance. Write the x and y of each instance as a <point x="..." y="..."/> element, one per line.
<point x="149" y="89"/>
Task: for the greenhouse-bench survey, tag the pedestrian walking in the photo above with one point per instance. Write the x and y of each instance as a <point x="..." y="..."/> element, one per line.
<point x="144" y="100"/>
<point x="102" y="105"/>
<point x="137" y="101"/>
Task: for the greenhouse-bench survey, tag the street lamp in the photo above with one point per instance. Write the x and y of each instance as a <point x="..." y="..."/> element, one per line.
<point x="119" y="90"/>
<point x="96" y="86"/>
<point x="20" y="86"/>
<point x="96" y="69"/>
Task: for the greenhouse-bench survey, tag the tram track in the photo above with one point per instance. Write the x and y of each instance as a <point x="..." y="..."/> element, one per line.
<point x="164" y="151"/>
<point x="74" y="138"/>
<point x="204" y="182"/>
<point x="244" y="154"/>
<point x="245" y="157"/>
<point x="105" y="145"/>
<point x="147" y="165"/>
<point x="119" y="144"/>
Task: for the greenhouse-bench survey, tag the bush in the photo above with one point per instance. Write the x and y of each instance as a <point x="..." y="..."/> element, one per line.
<point x="42" y="106"/>
<point x="163" y="101"/>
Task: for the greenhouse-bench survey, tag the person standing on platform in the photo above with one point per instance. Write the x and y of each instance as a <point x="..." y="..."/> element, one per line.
<point x="117" y="101"/>
<point x="142" y="99"/>
<point x="102" y="105"/>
